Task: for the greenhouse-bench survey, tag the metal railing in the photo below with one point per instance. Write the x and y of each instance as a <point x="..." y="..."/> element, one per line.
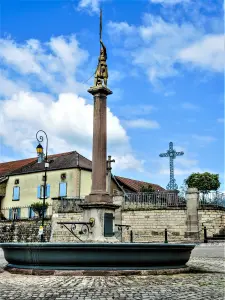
<point x="155" y="200"/>
<point x="212" y="200"/>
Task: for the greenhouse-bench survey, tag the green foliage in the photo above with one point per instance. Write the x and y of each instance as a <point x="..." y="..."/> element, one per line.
<point x="147" y="189"/>
<point x="204" y="182"/>
<point x="2" y="217"/>
<point x="38" y="208"/>
<point x="183" y="189"/>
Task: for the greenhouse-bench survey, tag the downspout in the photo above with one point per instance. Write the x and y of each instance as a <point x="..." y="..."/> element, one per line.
<point x="79" y="181"/>
<point x="79" y="168"/>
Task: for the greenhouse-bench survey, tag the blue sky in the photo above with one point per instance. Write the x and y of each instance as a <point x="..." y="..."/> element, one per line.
<point x="165" y="60"/>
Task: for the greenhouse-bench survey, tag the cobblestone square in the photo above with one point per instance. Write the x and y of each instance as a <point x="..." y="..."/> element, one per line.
<point x="208" y="284"/>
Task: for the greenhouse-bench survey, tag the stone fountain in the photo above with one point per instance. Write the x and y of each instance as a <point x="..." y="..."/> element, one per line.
<point x="101" y="251"/>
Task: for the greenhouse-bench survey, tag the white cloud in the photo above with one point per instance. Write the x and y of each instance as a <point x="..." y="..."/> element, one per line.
<point x="142" y="123"/>
<point x="128" y="161"/>
<point x="47" y="96"/>
<point x="90" y="5"/>
<point x="68" y="123"/>
<point x="155" y="46"/>
<point x="159" y="48"/>
<point x="54" y="64"/>
<point x="207" y="53"/>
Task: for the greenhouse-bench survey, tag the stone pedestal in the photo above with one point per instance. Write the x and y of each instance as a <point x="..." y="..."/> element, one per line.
<point x="97" y="211"/>
<point x="99" y="204"/>
<point x="192" y="197"/>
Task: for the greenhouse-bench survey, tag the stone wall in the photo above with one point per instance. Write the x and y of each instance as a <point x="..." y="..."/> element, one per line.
<point x="23" y="231"/>
<point x="59" y="232"/>
<point x="147" y="225"/>
<point x="214" y="220"/>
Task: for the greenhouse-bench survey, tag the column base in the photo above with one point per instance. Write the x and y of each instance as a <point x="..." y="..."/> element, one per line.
<point x="97" y="211"/>
<point x="96" y="197"/>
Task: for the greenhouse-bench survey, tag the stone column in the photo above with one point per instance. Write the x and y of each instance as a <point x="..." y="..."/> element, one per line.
<point x="192" y="198"/>
<point x="99" y="204"/>
<point x="99" y="149"/>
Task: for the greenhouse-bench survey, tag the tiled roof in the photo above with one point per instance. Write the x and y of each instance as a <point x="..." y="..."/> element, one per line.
<point x="8" y="167"/>
<point x="65" y="160"/>
<point x="136" y="185"/>
<point x="59" y="161"/>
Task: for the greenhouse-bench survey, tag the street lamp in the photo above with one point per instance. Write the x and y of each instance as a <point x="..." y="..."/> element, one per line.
<point x="41" y="158"/>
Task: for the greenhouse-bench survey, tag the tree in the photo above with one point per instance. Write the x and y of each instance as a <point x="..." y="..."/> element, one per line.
<point x="147" y="189"/>
<point x="38" y="208"/>
<point x="204" y="182"/>
<point x="183" y="189"/>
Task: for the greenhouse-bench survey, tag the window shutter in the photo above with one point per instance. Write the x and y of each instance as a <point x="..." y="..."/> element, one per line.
<point x="39" y="192"/>
<point x="31" y="213"/>
<point x="18" y="213"/>
<point x="16" y="193"/>
<point x="62" y="189"/>
<point x="108" y="224"/>
<point x="10" y="214"/>
<point x="48" y="191"/>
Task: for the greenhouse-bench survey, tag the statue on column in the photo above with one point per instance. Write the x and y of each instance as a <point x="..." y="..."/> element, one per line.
<point x="101" y="73"/>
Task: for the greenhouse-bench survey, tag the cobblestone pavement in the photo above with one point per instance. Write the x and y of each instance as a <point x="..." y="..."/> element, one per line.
<point x="194" y="286"/>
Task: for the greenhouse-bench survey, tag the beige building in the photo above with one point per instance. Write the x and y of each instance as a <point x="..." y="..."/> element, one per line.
<point x="68" y="176"/>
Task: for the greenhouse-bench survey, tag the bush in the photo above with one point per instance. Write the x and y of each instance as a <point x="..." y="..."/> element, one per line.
<point x="204" y="182"/>
<point x="38" y="208"/>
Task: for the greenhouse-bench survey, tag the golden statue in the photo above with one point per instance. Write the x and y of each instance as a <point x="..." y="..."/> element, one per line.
<point x="101" y="72"/>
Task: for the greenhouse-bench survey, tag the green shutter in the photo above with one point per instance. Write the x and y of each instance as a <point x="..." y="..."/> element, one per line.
<point x="10" y="214"/>
<point x="48" y="191"/>
<point x="18" y="213"/>
<point x="108" y="225"/>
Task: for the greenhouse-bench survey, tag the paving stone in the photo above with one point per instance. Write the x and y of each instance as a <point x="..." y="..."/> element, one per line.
<point x="184" y="286"/>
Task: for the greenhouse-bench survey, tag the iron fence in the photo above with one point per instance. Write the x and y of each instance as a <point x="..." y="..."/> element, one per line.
<point x="212" y="200"/>
<point x="155" y="200"/>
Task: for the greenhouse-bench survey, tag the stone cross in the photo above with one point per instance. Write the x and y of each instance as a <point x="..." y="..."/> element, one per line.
<point x="109" y="168"/>
<point x="172" y="154"/>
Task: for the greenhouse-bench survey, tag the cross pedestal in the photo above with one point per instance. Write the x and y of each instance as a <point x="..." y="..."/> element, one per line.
<point x="99" y="204"/>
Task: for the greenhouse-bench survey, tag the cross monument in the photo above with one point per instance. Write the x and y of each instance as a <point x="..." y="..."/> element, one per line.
<point x="109" y="168"/>
<point x="172" y="154"/>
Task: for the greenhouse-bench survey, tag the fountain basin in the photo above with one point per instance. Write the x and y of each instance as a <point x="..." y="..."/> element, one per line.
<point x="96" y="256"/>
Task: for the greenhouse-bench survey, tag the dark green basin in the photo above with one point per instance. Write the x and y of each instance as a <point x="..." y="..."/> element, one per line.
<point x="96" y="256"/>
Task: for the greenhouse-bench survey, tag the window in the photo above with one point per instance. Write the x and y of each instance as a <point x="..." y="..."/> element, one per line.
<point x="16" y="193"/>
<point x="14" y="213"/>
<point x="62" y="189"/>
<point x="40" y="191"/>
<point x="31" y="213"/>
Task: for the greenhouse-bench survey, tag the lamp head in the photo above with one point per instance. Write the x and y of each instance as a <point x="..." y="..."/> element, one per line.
<point x="39" y="149"/>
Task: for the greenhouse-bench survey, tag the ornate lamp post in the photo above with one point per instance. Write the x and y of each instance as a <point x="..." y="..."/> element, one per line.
<point x="42" y="158"/>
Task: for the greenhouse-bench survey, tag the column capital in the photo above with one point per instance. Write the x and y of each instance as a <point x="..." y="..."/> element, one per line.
<point x="192" y="191"/>
<point x="99" y="91"/>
